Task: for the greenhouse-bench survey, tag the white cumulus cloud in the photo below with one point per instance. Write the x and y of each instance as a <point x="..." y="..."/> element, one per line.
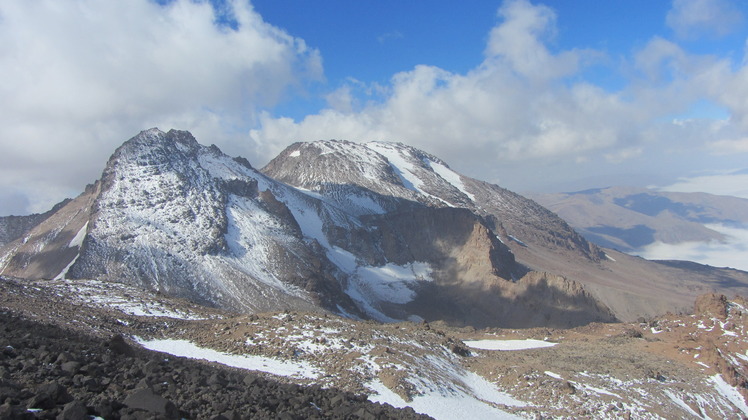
<point x="528" y="110"/>
<point x="692" y="18"/>
<point x="79" y="76"/>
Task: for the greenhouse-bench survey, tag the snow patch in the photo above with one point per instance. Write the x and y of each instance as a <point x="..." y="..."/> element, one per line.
<point x="65" y="270"/>
<point x="78" y="239"/>
<point x="295" y="153"/>
<point x="476" y="401"/>
<point x="508" y="345"/>
<point x="597" y="390"/>
<point x="369" y="285"/>
<point x="251" y="236"/>
<point x="553" y="375"/>
<point x="121" y="297"/>
<point x="391" y="282"/>
<point x="730" y="392"/>
<point x="400" y="165"/>
<point x="680" y="403"/>
<point x="184" y="348"/>
<point x="452" y="177"/>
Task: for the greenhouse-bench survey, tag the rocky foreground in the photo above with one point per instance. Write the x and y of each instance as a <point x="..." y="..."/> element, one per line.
<point x="74" y="349"/>
<point x="50" y="373"/>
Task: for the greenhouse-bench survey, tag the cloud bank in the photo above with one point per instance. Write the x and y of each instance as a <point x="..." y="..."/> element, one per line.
<point x="526" y="111"/>
<point x="81" y="76"/>
<point x="729" y="253"/>
<point x="529" y="116"/>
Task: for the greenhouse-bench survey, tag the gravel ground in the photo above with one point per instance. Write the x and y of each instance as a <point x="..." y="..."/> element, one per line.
<point x="47" y="372"/>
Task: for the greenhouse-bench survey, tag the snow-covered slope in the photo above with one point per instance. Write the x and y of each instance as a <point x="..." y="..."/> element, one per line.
<point x="189" y="221"/>
<point x="396" y="170"/>
<point x="376" y="230"/>
<point x="395" y="174"/>
<point x="186" y="220"/>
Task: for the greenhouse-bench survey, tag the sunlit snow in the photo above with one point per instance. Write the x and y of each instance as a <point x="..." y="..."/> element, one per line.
<point x="508" y="344"/>
<point x="184" y="348"/>
<point x="78" y="239"/>
<point x="119" y="297"/>
<point x="452" y="177"/>
<point x="474" y="401"/>
<point x="401" y="166"/>
<point x="391" y="282"/>
<point x="730" y="392"/>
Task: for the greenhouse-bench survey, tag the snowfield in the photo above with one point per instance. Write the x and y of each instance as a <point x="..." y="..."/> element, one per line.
<point x="506" y="345"/>
<point x="464" y="393"/>
<point x="448" y="406"/>
<point x="184" y="348"/>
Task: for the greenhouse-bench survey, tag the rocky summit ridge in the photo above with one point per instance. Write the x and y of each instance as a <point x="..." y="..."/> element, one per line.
<point x="377" y="231"/>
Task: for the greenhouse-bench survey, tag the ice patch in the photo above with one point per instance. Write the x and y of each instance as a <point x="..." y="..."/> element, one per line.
<point x="184" y="348"/>
<point x="508" y="345"/>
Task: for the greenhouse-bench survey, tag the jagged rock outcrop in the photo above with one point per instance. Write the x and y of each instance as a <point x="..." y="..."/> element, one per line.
<point x="711" y="305"/>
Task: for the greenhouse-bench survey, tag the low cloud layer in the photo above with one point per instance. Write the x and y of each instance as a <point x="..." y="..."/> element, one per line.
<point x="729" y="253"/>
<point x="734" y="184"/>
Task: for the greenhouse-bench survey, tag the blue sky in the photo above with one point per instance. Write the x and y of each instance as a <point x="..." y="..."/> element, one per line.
<point x="552" y="95"/>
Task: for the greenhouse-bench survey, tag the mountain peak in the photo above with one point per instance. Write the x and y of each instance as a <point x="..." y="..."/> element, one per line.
<point x="377" y="230"/>
<point x="154" y="137"/>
